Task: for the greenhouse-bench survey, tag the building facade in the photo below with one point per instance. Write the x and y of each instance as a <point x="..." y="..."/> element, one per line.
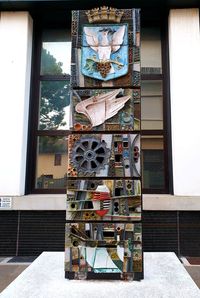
<point x="35" y="53"/>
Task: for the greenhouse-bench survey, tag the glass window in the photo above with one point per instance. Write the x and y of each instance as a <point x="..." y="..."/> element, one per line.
<point x="152" y="123"/>
<point x="53" y="111"/>
<point x="56" y="53"/>
<point x="153" y="162"/>
<point x="152" y="104"/>
<point x="51" y="97"/>
<point x="48" y="174"/>
<point x="151" y="50"/>
<point x="54" y="105"/>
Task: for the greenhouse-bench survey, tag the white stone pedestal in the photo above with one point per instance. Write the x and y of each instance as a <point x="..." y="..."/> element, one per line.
<point x="164" y="277"/>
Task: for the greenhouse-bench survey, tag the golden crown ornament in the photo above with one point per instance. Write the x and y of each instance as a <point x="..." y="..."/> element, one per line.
<point x="104" y="13"/>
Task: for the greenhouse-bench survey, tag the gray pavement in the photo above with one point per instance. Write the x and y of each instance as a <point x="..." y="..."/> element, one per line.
<point x="194" y="272"/>
<point x="8" y="273"/>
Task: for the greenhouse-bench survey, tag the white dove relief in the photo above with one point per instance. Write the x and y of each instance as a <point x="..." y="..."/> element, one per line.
<point x="105" y="42"/>
<point x="101" y="107"/>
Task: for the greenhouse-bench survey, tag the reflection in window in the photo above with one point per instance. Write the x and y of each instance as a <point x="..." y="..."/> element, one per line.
<point x="152" y="105"/>
<point x="53" y="110"/>
<point x="48" y="174"/>
<point x="54" y="99"/>
<point x="151" y="50"/>
<point x="153" y="162"/>
<point x="56" y="53"/>
<point x="58" y="159"/>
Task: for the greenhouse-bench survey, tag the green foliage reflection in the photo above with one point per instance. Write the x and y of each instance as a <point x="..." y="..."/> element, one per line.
<point x="54" y="95"/>
<point x="52" y="145"/>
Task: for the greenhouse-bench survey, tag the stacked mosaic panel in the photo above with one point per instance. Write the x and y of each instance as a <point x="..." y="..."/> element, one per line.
<point x="103" y="236"/>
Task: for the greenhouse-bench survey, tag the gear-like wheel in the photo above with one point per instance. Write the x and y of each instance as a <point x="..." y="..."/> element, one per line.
<point x="90" y="155"/>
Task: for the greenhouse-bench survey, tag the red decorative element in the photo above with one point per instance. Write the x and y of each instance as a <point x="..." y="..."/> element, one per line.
<point x="101" y="196"/>
<point x="101" y="212"/>
<point x="120" y="148"/>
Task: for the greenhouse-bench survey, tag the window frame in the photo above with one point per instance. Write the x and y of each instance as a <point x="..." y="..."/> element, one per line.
<point x="166" y="131"/>
<point x="34" y="132"/>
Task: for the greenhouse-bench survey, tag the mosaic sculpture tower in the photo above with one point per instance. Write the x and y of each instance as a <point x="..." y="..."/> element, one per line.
<point x="103" y="218"/>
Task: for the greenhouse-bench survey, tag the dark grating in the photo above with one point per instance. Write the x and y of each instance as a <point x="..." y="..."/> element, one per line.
<point x="44" y="231"/>
<point x="41" y="231"/>
<point x="8" y="232"/>
<point x="160" y="231"/>
<point x="190" y="233"/>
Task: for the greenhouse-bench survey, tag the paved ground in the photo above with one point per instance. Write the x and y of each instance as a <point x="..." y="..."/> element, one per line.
<point x="8" y="273"/>
<point x="194" y="272"/>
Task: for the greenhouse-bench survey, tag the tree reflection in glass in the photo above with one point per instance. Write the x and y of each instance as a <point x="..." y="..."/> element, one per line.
<point x="54" y="94"/>
<point x="49" y="65"/>
<point x="54" y="99"/>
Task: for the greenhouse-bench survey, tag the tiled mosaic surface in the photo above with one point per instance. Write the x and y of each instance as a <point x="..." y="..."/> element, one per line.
<point x="126" y="71"/>
<point x="104" y="155"/>
<point x="103" y="248"/>
<point x="105" y="109"/>
<point x="106" y="200"/>
<point x="103" y="218"/>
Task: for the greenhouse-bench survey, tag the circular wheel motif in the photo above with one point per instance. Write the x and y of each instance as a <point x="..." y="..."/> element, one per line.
<point x="89" y="155"/>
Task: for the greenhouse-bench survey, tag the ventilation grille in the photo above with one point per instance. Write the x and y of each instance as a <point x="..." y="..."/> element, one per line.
<point x="41" y="231"/>
<point x="8" y="233"/>
<point x="160" y="231"/>
<point x="44" y="231"/>
<point x="190" y="233"/>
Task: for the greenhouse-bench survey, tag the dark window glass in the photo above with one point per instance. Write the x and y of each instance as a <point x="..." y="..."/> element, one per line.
<point x="153" y="170"/>
<point x="153" y="162"/>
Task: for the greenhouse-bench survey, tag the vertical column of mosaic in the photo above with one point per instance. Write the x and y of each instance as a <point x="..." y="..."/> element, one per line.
<point x="103" y="217"/>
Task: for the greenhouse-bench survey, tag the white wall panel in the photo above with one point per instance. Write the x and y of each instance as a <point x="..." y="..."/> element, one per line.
<point x="184" y="49"/>
<point x="15" y="70"/>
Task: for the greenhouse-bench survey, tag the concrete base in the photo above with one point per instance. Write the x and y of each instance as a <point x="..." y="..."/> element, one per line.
<point x="165" y="277"/>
